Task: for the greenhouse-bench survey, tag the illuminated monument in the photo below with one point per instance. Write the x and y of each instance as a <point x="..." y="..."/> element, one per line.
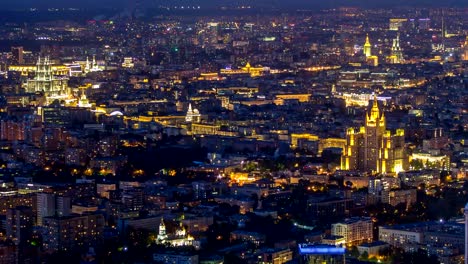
<point x="396" y="55"/>
<point x="91" y="66"/>
<point x="466" y="232"/>
<point x="367" y="47"/>
<point x="179" y="239"/>
<point x="44" y="81"/>
<point x="373" y="148"/>
<point x="193" y="115"/>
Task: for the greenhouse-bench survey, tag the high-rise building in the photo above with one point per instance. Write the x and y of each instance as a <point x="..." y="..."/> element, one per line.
<point x="132" y="199"/>
<point x="50" y="204"/>
<point x="424" y="23"/>
<point x="465" y="49"/>
<point x="396" y="24"/>
<point x="19" y="224"/>
<point x="67" y="232"/>
<point x="466" y="233"/>
<point x="367" y="47"/>
<point x="17" y="53"/>
<point x="63" y="205"/>
<point x="45" y="206"/>
<point x="396" y="54"/>
<point x="373" y="148"/>
<point x="44" y="81"/>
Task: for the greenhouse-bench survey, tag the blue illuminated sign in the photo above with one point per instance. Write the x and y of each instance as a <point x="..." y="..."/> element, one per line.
<point x="305" y="249"/>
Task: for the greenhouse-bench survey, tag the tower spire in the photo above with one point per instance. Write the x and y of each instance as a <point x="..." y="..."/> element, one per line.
<point x="375" y="111"/>
<point x="367" y="47"/>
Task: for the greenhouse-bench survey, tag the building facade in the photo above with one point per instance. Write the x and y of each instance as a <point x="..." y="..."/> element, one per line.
<point x="466" y="233"/>
<point x="67" y="232"/>
<point x="373" y="148"/>
<point x="44" y="81"/>
<point x="354" y="230"/>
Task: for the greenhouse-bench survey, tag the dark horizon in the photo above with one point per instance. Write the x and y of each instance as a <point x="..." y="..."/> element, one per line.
<point x="24" y="4"/>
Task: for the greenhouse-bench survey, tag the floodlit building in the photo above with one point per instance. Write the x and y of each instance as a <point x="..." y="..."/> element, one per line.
<point x="373" y="148"/>
<point x="53" y="87"/>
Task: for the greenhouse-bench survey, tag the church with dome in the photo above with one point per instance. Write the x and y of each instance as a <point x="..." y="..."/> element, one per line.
<point x="193" y="115"/>
<point x="179" y="239"/>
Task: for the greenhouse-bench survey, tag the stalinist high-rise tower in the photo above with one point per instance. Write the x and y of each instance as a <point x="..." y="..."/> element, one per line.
<point x="367" y="47"/>
<point x="465" y="50"/>
<point x="466" y="233"/>
<point x="397" y="54"/>
<point x="373" y="148"/>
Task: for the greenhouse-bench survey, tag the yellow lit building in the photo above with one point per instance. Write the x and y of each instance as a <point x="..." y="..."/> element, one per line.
<point x="25" y="70"/>
<point x="396" y="23"/>
<point x="465" y="50"/>
<point x="295" y="138"/>
<point x="54" y="87"/>
<point x="367" y="47"/>
<point x="373" y="148"/>
<point x="179" y="239"/>
<point x="247" y="69"/>
<point x="354" y="230"/>
<point x="396" y="54"/>
<point x="331" y="143"/>
<point x="241" y="177"/>
<point x="300" y="97"/>
<point x="427" y="160"/>
<point x="372" y="60"/>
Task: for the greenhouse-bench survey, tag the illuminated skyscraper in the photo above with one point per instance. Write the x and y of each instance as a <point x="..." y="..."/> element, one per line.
<point x="465" y="49"/>
<point x="367" y="47"/>
<point x="466" y="233"/>
<point x="44" y="81"/>
<point x="397" y="54"/>
<point x="373" y="148"/>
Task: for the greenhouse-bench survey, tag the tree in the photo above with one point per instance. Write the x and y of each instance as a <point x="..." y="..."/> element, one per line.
<point x="354" y="252"/>
<point x="364" y="256"/>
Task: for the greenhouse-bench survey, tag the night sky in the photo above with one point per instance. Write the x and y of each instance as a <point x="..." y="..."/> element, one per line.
<point x="9" y="4"/>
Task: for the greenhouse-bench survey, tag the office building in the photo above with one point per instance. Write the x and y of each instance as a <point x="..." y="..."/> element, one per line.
<point x="355" y="230"/>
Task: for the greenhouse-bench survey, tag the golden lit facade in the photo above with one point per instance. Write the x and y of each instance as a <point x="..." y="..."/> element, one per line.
<point x="247" y="69"/>
<point x="465" y="50"/>
<point x="179" y="239"/>
<point x="396" y="54"/>
<point x="373" y="148"/>
<point x="25" y="70"/>
<point x="193" y="115"/>
<point x="367" y="47"/>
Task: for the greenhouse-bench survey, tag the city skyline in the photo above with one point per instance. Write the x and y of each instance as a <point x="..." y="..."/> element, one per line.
<point x="10" y="4"/>
<point x="234" y="132"/>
